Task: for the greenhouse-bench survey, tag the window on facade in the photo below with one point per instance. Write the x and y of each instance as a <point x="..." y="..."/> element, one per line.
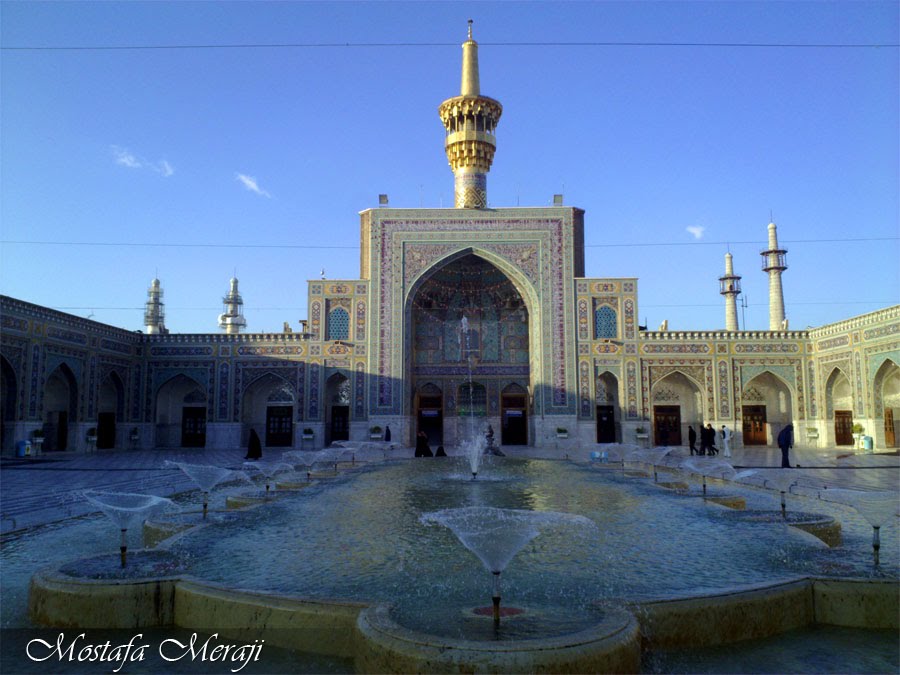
<point x="605" y="323"/>
<point x="338" y="324"/>
<point x="471" y="400"/>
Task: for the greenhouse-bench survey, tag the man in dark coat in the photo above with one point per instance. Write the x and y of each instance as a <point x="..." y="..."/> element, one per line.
<point x="692" y="439"/>
<point x="786" y="442"/>
<point x="254" y="447"/>
<point x="711" y="439"/>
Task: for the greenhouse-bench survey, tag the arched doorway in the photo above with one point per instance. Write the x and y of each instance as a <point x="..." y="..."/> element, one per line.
<point x="887" y="402"/>
<point x="607" y="398"/>
<point x="9" y="396"/>
<point x="181" y="412"/>
<point x="60" y="408"/>
<point x="110" y="410"/>
<point x="514" y="415"/>
<point x="766" y="408"/>
<point x="677" y="401"/>
<point x="470" y="322"/>
<point x="337" y="409"/>
<point x="268" y="404"/>
<point x="839" y="406"/>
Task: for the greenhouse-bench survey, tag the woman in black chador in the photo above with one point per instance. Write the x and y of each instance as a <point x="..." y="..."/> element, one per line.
<point x="422" y="449"/>
<point x="254" y="447"/>
<point x="692" y="439"/>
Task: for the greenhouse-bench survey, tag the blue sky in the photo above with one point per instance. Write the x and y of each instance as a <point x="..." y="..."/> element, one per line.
<point x="241" y="158"/>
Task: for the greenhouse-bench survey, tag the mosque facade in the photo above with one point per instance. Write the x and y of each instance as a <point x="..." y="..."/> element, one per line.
<point x="461" y="318"/>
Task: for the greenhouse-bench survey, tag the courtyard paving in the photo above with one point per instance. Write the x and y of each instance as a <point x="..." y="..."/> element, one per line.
<point x="48" y="488"/>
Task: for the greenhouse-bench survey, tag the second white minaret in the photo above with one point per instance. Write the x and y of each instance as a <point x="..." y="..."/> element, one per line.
<point x="774" y="263"/>
<point x="730" y="287"/>
<point x="232" y="317"/>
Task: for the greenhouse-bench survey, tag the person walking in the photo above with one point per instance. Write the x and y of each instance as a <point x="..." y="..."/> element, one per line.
<point x="692" y="440"/>
<point x="711" y="439"/>
<point x="786" y="442"/>
<point x="726" y="441"/>
<point x="254" y="447"/>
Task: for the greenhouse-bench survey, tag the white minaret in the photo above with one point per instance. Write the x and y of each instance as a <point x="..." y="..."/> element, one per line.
<point x="730" y="287"/>
<point x="232" y="317"/>
<point x="155" y="311"/>
<point x="774" y="263"/>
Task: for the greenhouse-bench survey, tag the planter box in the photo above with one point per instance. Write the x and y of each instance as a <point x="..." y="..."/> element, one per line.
<point x="559" y="435"/>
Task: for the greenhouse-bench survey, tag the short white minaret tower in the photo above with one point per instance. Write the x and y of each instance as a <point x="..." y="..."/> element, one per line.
<point x="774" y="262"/>
<point x="155" y="311"/>
<point x="232" y="317"/>
<point x="730" y="287"/>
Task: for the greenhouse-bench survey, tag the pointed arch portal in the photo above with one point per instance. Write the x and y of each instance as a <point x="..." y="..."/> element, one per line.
<point x="470" y="323"/>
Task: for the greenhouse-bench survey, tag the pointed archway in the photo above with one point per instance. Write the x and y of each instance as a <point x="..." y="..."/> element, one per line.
<point x="110" y="410"/>
<point x="887" y="404"/>
<point x="766" y="408"/>
<point x="337" y="408"/>
<point x="839" y="407"/>
<point x="469" y="322"/>
<point x="677" y="402"/>
<point x="606" y="390"/>
<point x="268" y="406"/>
<point x="9" y="397"/>
<point x="181" y="413"/>
<point x="60" y="409"/>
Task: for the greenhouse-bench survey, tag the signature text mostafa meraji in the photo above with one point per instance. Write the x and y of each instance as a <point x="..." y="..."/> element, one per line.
<point x="171" y="649"/>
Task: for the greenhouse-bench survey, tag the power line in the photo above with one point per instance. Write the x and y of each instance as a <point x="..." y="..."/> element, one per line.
<point x="757" y="242"/>
<point x="392" y="45"/>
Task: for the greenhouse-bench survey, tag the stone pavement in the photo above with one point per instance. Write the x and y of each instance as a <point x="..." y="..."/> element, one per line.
<point x="48" y="488"/>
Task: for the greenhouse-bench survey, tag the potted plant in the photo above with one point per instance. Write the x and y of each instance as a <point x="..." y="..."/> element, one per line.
<point x="134" y="435"/>
<point x="562" y="432"/>
<point x="641" y="432"/>
<point x="375" y="433"/>
<point x="92" y="435"/>
<point x="812" y="432"/>
<point x="307" y="434"/>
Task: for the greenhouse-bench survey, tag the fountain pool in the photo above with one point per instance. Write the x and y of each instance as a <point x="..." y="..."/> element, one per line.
<point x="358" y="539"/>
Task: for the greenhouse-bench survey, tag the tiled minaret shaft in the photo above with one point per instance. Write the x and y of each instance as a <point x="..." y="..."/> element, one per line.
<point x="774" y="263"/>
<point x="470" y="120"/>
<point x="730" y="287"/>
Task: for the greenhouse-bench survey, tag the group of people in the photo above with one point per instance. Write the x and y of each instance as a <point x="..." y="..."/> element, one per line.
<point x="708" y="441"/>
<point x="423" y="449"/>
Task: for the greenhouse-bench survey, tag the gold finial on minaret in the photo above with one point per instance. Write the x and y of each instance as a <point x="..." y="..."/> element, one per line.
<point x="470" y="120"/>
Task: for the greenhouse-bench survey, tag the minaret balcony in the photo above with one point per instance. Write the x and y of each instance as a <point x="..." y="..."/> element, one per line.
<point x="470" y="136"/>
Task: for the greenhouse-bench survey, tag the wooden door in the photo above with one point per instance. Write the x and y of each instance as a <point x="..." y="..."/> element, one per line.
<point x="754" y="425"/>
<point x="340" y="423"/>
<point x="843" y="427"/>
<point x="890" y="438"/>
<point x="667" y="424"/>
<point x="606" y="424"/>
<point x="193" y="427"/>
<point x="279" y="426"/>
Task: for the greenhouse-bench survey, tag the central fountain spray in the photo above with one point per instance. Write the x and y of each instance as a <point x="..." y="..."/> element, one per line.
<point x="496" y="535"/>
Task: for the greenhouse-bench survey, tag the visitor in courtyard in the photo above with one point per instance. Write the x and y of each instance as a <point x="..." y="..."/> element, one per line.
<point x="786" y="442"/>
<point x="692" y="440"/>
<point x="422" y="448"/>
<point x="387" y="434"/>
<point x="440" y="452"/>
<point x="704" y="441"/>
<point x="254" y="447"/>
<point x="726" y="441"/>
<point x="711" y="435"/>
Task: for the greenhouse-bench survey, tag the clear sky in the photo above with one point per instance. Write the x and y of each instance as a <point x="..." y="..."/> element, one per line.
<point x="248" y="157"/>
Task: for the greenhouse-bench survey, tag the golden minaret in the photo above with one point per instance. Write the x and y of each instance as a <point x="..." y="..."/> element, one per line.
<point x="470" y="120"/>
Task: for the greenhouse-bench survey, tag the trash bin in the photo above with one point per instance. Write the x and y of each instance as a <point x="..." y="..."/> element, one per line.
<point x="23" y="448"/>
<point x="868" y="445"/>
